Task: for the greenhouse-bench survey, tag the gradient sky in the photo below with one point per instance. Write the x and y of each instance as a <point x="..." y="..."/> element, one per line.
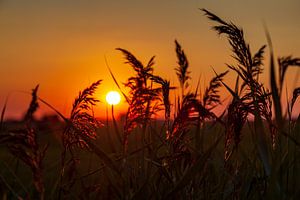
<point x="62" y="44"/>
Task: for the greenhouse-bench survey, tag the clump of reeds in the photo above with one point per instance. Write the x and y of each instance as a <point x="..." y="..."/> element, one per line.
<point x="141" y="96"/>
<point x="81" y="128"/>
<point x="23" y="144"/>
<point x="182" y="157"/>
<point x="192" y="110"/>
<point x="250" y="97"/>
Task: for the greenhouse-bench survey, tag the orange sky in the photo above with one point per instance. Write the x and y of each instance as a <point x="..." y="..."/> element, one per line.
<point x="61" y="44"/>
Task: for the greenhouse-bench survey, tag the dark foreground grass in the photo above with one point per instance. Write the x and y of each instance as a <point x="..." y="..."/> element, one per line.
<point x="191" y="154"/>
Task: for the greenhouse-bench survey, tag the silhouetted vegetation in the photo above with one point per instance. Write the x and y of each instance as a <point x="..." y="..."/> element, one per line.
<point x="195" y="154"/>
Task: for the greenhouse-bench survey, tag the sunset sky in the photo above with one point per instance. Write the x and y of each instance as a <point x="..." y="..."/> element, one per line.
<point x="62" y="44"/>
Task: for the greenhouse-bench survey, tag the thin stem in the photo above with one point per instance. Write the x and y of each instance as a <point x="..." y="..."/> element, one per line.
<point x="115" y="124"/>
<point x="110" y="141"/>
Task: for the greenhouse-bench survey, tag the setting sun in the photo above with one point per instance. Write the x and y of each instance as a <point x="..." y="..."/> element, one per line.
<point x="113" y="98"/>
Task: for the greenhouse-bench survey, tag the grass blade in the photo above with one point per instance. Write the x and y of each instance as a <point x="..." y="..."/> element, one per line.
<point x="274" y="88"/>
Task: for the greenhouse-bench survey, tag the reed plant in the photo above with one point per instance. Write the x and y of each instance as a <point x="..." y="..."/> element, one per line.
<point x="251" y="151"/>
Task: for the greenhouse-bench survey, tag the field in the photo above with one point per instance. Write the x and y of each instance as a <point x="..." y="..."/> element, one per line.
<point x="250" y="151"/>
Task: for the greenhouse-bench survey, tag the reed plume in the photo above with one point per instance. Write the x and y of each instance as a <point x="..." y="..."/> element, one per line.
<point x="211" y="96"/>
<point x="284" y="63"/>
<point x="82" y="124"/>
<point x="165" y="98"/>
<point x="182" y="68"/>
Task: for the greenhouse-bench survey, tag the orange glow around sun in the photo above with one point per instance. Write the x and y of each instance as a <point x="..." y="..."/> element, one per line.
<point x="113" y="98"/>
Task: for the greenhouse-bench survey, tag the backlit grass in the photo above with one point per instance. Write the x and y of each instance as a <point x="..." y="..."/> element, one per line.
<point x="192" y="153"/>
